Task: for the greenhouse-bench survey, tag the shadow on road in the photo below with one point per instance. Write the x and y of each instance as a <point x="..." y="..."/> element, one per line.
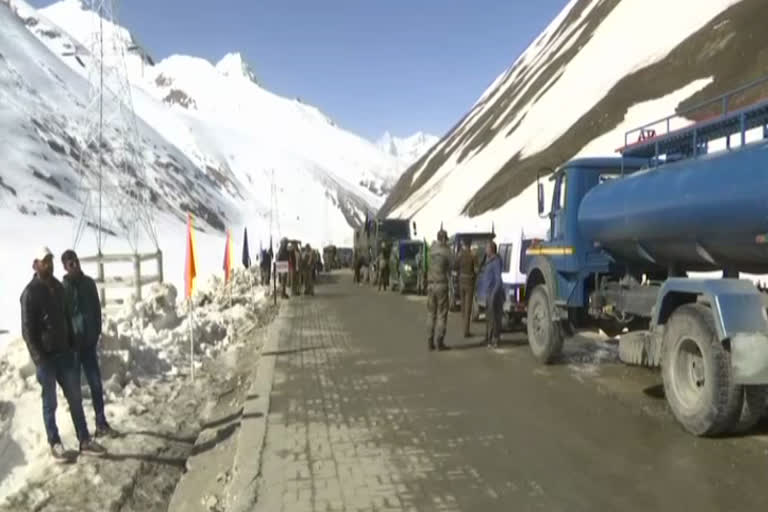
<point x="290" y="351"/>
<point x="178" y="462"/>
<point x="190" y="439"/>
<point x="656" y="391"/>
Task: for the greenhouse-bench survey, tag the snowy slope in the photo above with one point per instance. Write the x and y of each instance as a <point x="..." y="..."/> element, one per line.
<point x="407" y="149"/>
<point x="212" y="141"/>
<point x="600" y="68"/>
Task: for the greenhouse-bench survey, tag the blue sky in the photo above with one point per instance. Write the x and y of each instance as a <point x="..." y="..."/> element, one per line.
<point x="397" y="65"/>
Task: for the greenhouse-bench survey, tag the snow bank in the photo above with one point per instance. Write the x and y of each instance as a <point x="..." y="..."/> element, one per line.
<point x="144" y="345"/>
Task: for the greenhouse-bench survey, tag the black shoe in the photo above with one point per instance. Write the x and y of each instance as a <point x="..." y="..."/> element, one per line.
<point x="91" y="446"/>
<point x="106" y="431"/>
<point x="61" y="455"/>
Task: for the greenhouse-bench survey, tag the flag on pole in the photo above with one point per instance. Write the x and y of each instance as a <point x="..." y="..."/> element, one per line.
<point x="246" y="252"/>
<point x="190" y="270"/>
<point x="227" y="266"/>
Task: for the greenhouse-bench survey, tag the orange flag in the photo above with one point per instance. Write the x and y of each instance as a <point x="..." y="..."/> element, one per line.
<point x="228" y="257"/>
<point x="190" y="271"/>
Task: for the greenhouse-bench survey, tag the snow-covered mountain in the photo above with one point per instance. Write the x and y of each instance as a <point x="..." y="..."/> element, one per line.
<point x="215" y="133"/>
<point x="211" y="141"/>
<point x="600" y="68"/>
<point x="407" y="149"/>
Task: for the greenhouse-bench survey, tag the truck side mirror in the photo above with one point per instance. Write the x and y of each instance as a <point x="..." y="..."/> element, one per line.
<point x="540" y="190"/>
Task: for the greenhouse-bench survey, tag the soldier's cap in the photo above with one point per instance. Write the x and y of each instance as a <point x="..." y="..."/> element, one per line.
<point x="42" y="253"/>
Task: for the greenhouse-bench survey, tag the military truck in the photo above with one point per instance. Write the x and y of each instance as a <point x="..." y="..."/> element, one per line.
<point x="344" y="257"/>
<point x="408" y="270"/>
<point x="477" y="243"/>
<point x="330" y="258"/>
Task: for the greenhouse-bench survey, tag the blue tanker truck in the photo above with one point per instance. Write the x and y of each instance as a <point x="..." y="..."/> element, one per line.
<point x="624" y="234"/>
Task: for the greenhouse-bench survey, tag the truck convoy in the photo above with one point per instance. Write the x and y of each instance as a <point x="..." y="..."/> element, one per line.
<point x="624" y="233"/>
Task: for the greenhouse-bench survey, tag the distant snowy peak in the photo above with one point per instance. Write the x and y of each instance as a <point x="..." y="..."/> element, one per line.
<point x="407" y="149"/>
<point x="233" y="65"/>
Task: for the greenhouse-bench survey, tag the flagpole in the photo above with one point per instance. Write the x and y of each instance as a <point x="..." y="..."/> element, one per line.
<point x="191" y="340"/>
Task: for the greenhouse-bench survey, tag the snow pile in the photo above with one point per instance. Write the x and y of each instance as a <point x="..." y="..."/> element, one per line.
<point x="145" y="359"/>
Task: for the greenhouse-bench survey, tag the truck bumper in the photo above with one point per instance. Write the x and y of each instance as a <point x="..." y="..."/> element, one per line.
<point x="749" y="358"/>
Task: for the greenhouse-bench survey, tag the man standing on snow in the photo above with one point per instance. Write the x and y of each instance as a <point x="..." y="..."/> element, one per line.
<point x="47" y="331"/>
<point x="85" y="312"/>
<point x="440" y="265"/>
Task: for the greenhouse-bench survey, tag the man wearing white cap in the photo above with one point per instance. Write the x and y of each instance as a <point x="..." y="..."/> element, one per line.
<point x="47" y="331"/>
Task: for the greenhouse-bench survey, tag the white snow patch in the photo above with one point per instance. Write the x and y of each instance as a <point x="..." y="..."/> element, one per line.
<point x="145" y="344"/>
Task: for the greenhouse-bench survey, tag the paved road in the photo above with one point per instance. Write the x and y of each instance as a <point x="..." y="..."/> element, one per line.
<point x="363" y="417"/>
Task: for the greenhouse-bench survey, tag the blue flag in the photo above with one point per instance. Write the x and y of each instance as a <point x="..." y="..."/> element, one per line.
<point x="246" y="253"/>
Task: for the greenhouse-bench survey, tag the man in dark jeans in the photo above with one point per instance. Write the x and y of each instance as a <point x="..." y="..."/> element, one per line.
<point x="494" y="292"/>
<point x="47" y="331"/>
<point x="85" y="312"/>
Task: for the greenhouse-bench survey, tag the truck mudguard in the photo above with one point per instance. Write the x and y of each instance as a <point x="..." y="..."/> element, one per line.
<point x="740" y="319"/>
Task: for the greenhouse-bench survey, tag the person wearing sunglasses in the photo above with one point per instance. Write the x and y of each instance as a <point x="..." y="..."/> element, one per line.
<point x="85" y="310"/>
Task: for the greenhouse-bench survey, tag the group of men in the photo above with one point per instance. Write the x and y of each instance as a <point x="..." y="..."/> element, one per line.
<point x="61" y="325"/>
<point x="302" y="268"/>
<point x="441" y="262"/>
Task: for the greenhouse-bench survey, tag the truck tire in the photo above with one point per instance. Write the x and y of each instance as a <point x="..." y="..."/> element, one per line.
<point x="545" y="336"/>
<point x="696" y="369"/>
<point x="754" y="408"/>
<point x="632" y="349"/>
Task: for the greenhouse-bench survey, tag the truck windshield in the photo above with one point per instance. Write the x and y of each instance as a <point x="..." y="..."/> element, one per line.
<point x="395" y="229"/>
<point x="409" y="251"/>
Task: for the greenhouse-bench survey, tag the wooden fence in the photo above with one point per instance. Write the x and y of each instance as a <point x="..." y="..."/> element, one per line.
<point x="135" y="280"/>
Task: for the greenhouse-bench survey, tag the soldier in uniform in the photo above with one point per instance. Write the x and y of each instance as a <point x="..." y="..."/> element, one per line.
<point x="383" y="274"/>
<point x="308" y="265"/>
<point x="440" y="264"/>
<point x="283" y="255"/>
<point x="467" y="276"/>
<point x="297" y="273"/>
<point x="358" y="263"/>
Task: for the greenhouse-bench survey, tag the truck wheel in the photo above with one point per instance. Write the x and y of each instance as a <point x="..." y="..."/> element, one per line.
<point x="754" y="408"/>
<point x="632" y="349"/>
<point x="696" y="369"/>
<point x="544" y="335"/>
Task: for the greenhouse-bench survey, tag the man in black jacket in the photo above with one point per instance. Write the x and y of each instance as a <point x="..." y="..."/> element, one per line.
<point x="47" y="331"/>
<point x="85" y="312"/>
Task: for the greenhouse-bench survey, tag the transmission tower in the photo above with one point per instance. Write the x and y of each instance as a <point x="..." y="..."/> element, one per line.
<point x="113" y="182"/>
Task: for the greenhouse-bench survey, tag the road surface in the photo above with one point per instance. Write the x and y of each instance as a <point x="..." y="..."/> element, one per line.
<point x="363" y="417"/>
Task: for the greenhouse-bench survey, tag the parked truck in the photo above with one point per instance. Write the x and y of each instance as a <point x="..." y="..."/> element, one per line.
<point x="625" y="232"/>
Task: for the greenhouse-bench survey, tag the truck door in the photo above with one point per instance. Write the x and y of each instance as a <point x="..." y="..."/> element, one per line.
<point x="558" y="208"/>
